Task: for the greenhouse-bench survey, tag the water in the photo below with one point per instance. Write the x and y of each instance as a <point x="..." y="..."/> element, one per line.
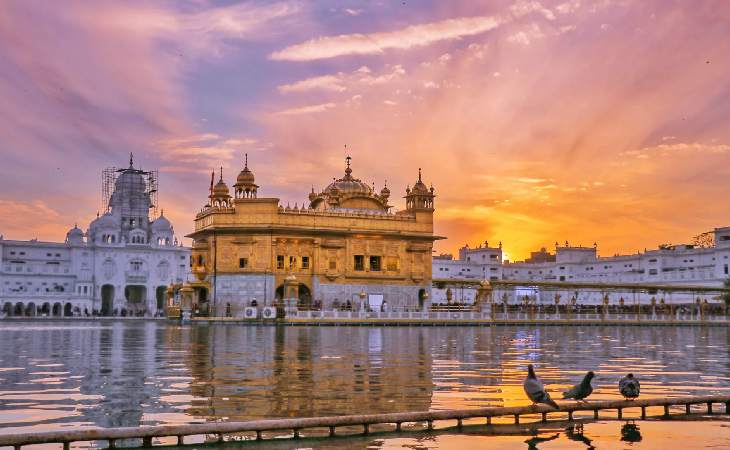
<point x="59" y="374"/>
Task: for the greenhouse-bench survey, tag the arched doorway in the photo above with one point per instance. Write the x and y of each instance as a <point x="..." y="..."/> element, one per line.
<point x="203" y="295"/>
<point x="8" y="309"/>
<point x="421" y="299"/>
<point x="160" y="295"/>
<point x="67" y="310"/>
<point x="57" y="309"/>
<point x="135" y="294"/>
<point x="46" y="309"/>
<point x="32" y="309"/>
<point x="107" y="299"/>
<point x="19" y="310"/>
<point x="305" y="294"/>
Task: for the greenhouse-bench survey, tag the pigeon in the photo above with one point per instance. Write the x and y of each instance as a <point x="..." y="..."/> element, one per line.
<point x="535" y="391"/>
<point x="629" y="386"/>
<point x="581" y="390"/>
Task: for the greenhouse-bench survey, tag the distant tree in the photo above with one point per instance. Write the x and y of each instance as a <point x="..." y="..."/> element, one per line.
<point x="706" y="239"/>
<point x="666" y="247"/>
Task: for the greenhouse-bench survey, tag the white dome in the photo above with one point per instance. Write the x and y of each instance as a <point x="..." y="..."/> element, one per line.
<point x="106" y="221"/>
<point x="75" y="235"/>
<point x="161" y="224"/>
<point x="131" y="181"/>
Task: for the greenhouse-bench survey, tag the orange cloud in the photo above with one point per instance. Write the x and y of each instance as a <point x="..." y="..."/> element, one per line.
<point x="377" y="43"/>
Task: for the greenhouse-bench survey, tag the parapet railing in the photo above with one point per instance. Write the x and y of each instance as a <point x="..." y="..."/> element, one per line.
<point x="219" y="429"/>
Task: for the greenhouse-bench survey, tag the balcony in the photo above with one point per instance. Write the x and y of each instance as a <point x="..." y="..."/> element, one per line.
<point x="199" y="272"/>
<point x="136" y="276"/>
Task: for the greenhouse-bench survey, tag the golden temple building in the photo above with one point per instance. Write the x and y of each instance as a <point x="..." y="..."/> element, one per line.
<point x="346" y="249"/>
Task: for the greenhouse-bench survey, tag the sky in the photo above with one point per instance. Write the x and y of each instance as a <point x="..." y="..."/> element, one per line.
<point x="537" y="122"/>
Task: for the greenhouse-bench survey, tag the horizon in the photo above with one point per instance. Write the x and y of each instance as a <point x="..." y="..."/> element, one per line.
<point x="535" y="121"/>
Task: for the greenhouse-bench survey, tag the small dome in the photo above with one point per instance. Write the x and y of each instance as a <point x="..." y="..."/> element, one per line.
<point x="385" y="192"/>
<point x="161" y="223"/>
<point x="246" y="176"/>
<point x="419" y="187"/>
<point x="106" y="221"/>
<point x="484" y="283"/>
<point x="220" y="188"/>
<point x="75" y="235"/>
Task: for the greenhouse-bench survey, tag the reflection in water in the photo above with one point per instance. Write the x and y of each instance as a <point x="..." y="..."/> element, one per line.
<point x="533" y="442"/>
<point x="630" y="432"/>
<point x="56" y="374"/>
<point x="575" y="433"/>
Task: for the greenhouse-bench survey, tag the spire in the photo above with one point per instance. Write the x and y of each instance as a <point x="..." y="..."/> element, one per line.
<point x="246" y="166"/>
<point x="131" y="158"/>
<point x="348" y="171"/>
<point x="221" y="173"/>
<point x="419" y="175"/>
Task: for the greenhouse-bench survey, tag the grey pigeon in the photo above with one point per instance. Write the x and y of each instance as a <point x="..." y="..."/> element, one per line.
<point x="629" y="386"/>
<point x="535" y="391"/>
<point x="581" y="390"/>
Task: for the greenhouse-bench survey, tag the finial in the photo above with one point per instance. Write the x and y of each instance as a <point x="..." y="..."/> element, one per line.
<point x="348" y="161"/>
<point x="221" y="173"/>
<point x="246" y="160"/>
<point x="312" y="189"/>
<point x="131" y="157"/>
<point x="419" y="174"/>
<point x="162" y="212"/>
<point x="386" y="184"/>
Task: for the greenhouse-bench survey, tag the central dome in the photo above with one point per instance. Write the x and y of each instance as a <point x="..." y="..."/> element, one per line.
<point x="349" y="185"/>
<point x="349" y="192"/>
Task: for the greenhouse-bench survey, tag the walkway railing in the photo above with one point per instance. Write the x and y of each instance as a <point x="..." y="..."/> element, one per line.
<point x="219" y="429"/>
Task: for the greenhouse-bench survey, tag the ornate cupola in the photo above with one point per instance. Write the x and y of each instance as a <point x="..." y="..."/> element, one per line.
<point x="420" y="197"/>
<point x="245" y="186"/>
<point x="221" y="196"/>
<point x="350" y="193"/>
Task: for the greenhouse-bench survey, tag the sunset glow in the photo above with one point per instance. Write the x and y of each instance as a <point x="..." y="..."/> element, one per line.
<point x="536" y="122"/>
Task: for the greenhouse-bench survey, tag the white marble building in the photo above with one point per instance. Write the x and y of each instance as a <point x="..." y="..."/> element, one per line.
<point x="679" y="265"/>
<point x="123" y="261"/>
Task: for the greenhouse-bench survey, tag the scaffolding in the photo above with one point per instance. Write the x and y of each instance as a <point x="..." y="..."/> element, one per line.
<point x="108" y="186"/>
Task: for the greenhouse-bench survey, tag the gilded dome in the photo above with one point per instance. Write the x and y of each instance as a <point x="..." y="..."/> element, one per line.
<point x="220" y="189"/>
<point x="246" y="176"/>
<point x="419" y="187"/>
<point x="349" y="184"/>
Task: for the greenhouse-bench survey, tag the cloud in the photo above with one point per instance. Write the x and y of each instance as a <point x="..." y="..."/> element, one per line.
<point x="389" y="102"/>
<point x="523" y="37"/>
<point x="377" y="43"/>
<point x="523" y="7"/>
<point x="37" y="220"/>
<point x="667" y="149"/>
<point x="352" y="12"/>
<point x="306" y="109"/>
<point x="325" y="83"/>
<point x="188" y="154"/>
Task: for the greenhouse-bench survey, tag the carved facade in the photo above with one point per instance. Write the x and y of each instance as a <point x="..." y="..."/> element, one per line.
<point x="345" y="243"/>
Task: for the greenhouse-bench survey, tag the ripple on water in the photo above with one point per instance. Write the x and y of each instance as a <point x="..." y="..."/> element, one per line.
<point x="131" y="374"/>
